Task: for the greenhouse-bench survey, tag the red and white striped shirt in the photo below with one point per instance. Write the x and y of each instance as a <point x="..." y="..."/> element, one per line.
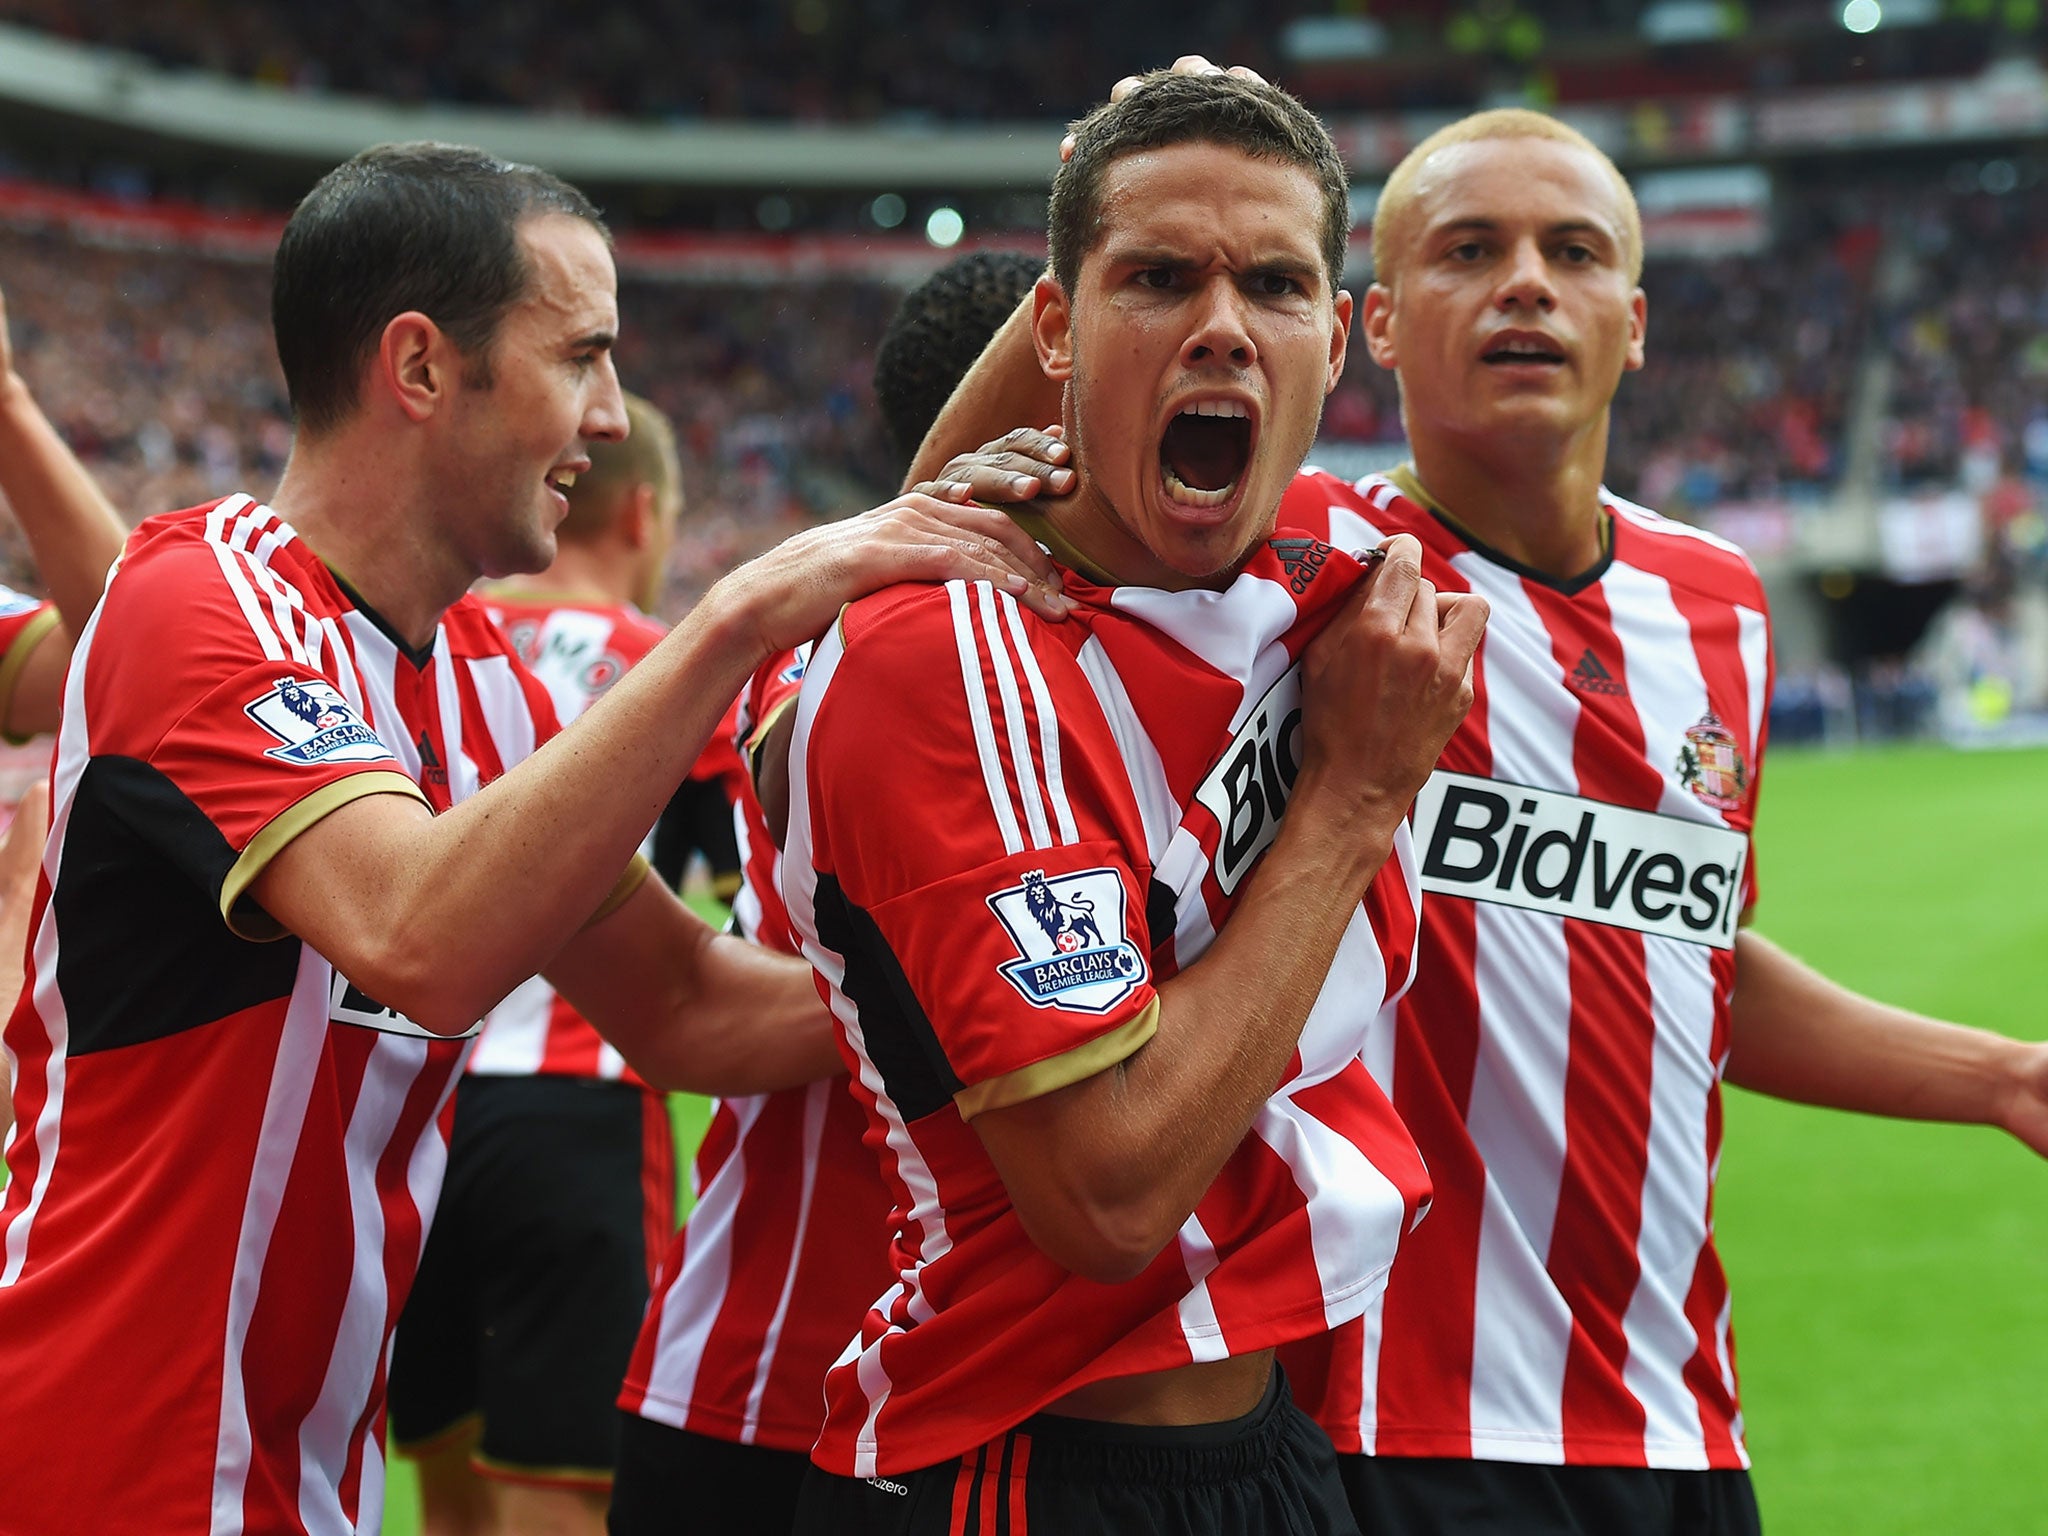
<point x="224" y="1156"/>
<point x="1585" y="852"/>
<point x="577" y="651"/>
<point x="1002" y="834"/>
<point x="788" y="1243"/>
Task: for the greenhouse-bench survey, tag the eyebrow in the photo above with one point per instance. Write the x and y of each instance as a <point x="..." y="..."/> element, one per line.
<point x="1143" y="258"/>
<point x="1563" y="227"/>
<point x="602" y="340"/>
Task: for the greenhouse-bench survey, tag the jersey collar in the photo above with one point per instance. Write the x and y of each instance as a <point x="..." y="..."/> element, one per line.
<point x="1409" y="484"/>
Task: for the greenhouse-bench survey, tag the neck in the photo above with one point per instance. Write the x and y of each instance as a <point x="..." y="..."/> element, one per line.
<point x="1084" y="533"/>
<point x="582" y="573"/>
<point x="357" y="513"/>
<point x="1535" y="500"/>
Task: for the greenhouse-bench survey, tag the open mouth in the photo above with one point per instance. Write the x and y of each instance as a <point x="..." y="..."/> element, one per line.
<point x="1521" y="352"/>
<point x="559" y="481"/>
<point x="1204" y="451"/>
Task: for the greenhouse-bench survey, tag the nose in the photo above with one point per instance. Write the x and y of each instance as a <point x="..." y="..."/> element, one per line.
<point x="1525" y="281"/>
<point x="604" y="414"/>
<point x="1221" y="332"/>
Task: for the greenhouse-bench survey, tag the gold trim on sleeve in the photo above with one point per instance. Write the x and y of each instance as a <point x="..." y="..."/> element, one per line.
<point x="33" y="634"/>
<point x="252" y="922"/>
<point x="623" y="891"/>
<point x="1064" y="1070"/>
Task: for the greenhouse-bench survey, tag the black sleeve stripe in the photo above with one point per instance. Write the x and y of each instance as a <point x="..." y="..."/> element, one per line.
<point x="900" y="1039"/>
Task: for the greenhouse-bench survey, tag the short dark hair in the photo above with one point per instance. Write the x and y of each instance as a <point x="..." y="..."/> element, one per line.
<point x="1261" y="120"/>
<point x="427" y="227"/>
<point x="938" y="331"/>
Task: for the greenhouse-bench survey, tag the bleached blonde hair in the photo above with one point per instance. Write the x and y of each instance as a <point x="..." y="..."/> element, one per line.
<point x="1398" y="195"/>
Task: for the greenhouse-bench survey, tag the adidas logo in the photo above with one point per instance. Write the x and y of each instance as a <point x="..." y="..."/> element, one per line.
<point x="1301" y="559"/>
<point x="1589" y="676"/>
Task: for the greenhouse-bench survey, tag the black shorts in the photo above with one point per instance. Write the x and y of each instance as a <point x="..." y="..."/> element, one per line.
<point x="1271" y="1472"/>
<point x="560" y="1195"/>
<point x="1432" y="1496"/>
<point x="672" y="1482"/>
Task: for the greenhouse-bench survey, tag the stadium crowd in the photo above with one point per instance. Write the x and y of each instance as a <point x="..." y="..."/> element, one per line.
<point x="158" y="368"/>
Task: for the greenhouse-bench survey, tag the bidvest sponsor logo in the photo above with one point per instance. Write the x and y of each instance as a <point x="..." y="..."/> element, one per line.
<point x="349" y="1004"/>
<point x="1069" y="932"/>
<point x="1248" y="788"/>
<point x="1551" y="852"/>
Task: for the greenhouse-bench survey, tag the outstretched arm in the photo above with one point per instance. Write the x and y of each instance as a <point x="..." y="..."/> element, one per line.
<point x="71" y="528"/>
<point x="1797" y="1035"/>
<point x="440" y="916"/>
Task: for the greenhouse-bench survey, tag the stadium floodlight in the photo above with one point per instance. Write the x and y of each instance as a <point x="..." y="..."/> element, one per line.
<point x="1862" y="15"/>
<point x="945" y="227"/>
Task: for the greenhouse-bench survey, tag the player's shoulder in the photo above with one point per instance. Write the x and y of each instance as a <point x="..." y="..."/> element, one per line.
<point x="935" y="653"/>
<point x="1682" y="554"/>
<point x="1325" y="504"/>
<point x="231" y="567"/>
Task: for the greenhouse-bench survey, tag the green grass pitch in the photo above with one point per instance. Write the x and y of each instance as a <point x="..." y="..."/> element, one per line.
<point x="1891" y="1281"/>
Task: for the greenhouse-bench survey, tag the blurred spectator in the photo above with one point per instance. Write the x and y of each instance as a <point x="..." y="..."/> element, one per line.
<point x="1986" y="655"/>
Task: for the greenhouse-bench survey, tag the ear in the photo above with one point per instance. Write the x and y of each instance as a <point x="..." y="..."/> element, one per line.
<point x="1379" y="325"/>
<point x="1052" y="330"/>
<point x="415" y="364"/>
<point x="1340" y="339"/>
<point x="1638" y="328"/>
<point x="640" y="517"/>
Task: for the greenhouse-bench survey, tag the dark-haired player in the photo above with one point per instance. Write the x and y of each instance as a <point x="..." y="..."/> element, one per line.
<point x="786" y="1247"/>
<point x="1103" y="1003"/>
<point x="1553" y="1355"/>
<point x="264" y="939"/>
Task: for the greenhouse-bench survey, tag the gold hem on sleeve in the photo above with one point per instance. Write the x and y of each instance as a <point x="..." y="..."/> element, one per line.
<point x="1055" y="1072"/>
<point x="33" y="634"/>
<point x="621" y="892"/>
<point x="254" y="923"/>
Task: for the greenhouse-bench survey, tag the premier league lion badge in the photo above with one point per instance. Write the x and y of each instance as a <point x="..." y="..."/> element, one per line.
<point x="1069" y="933"/>
<point x="314" y="724"/>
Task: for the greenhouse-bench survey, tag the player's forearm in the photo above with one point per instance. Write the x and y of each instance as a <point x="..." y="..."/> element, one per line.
<point x="1796" y="1035"/>
<point x="1137" y="1147"/>
<point x="694" y="1011"/>
<point x="1004" y="389"/>
<point x="72" y="530"/>
<point x="504" y="878"/>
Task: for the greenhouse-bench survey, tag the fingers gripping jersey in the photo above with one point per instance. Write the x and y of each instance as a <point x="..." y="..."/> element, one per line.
<point x="1004" y="836"/>
<point x="1585" y="850"/>
<point x="224" y="1155"/>
<point x="788" y="1241"/>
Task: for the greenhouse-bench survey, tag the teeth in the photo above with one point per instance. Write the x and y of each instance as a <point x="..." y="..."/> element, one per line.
<point x="1179" y="490"/>
<point x="1216" y="408"/>
<point x="563" y="479"/>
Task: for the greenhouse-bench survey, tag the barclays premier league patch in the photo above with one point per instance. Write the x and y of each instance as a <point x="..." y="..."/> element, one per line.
<point x="315" y="724"/>
<point x="1069" y="933"/>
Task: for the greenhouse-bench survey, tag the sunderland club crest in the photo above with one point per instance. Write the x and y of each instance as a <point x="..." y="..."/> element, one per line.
<point x="1069" y="934"/>
<point x="1710" y="764"/>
